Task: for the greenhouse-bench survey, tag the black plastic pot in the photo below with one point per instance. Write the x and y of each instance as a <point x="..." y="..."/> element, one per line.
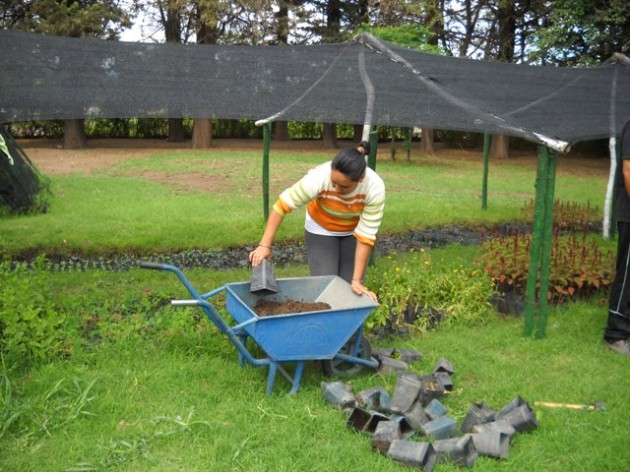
<point x="420" y="455"/>
<point x="365" y="421"/>
<point x="416" y="416"/>
<point x="478" y="413"/>
<point x="376" y="398"/>
<point x="522" y="418"/>
<point x="385" y="433"/>
<point x="492" y="443"/>
<point x="443" y="427"/>
<point x="338" y="394"/>
<point x="458" y="451"/>
<point x="406" y="392"/>
<point x="263" y="279"/>
<point x="431" y="388"/>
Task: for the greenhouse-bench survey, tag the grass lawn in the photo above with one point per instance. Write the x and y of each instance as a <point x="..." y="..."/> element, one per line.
<point x="177" y="400"/>
<point x="140" y="385"/>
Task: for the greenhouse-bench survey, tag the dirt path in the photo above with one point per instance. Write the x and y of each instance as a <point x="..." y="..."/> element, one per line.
<point x="50" y="158"/>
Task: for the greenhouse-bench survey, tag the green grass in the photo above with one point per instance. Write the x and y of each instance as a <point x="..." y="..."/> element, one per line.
<point x="146" y="386"/>
<point x="121" y="209"/>
<point x="181" y="402"/>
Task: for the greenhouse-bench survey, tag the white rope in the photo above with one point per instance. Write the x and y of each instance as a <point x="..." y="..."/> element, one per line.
<point x="612" y="151"/>
<point x="373" y="42"/>
<point x="369" y="91"/>
<point x="278" y="115"/>
<point x="610" y="188"/>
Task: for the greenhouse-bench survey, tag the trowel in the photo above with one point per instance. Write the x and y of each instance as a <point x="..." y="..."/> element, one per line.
<point x="263" y="279"/>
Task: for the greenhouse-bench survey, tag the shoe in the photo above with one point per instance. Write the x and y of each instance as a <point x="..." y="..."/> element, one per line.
<point x="622" y="346"/>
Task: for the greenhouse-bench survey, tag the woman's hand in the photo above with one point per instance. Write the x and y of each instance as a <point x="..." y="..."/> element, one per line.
<point x="360" y="289"/>
<point x="258" y="254"/>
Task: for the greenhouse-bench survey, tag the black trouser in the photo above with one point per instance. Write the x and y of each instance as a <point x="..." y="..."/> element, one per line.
<point x="618" y="326"/>
<point x="331" y="255"/>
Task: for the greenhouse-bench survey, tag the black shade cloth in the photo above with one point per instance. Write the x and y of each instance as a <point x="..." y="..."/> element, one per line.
<point x="364" y="81"/>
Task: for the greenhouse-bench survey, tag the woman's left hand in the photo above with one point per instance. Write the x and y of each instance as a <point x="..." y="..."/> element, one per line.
<point x="360" y="289"/>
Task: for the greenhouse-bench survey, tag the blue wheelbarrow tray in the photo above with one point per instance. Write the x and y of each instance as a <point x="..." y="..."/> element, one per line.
<point x="314" y="335"/>
<point x="288" y="338"/>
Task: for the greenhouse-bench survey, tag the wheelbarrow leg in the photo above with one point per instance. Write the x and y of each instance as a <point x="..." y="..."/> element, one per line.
<point x="271" y="378"/>
<point x="297" y="378"/>
<point x="294" y="381"/>
<point x="241" y="359"/>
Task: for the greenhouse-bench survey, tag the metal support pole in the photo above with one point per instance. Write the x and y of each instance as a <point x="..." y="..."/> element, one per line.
<point x="265" y="168"/>
<point x="537" y="230"/>
<point x="372" y="165"/>
<point x="547" y="243"/>
<point x="486" y="158"/>
<point x="613" y="207"/>
<point x="373" y="149"/>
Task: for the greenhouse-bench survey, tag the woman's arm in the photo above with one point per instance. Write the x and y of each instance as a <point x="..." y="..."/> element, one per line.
<point x="263" y="250"/>
<point x="361" y="258"/>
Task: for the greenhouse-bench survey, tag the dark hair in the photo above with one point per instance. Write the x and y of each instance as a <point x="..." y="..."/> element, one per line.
<point x="351" y="161"/>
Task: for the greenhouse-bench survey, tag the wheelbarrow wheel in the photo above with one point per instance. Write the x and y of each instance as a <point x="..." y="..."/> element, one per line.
<point x="339" y="368"/>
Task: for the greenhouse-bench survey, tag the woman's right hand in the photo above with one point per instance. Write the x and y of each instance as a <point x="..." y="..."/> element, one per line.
<point x="258" y="254"/>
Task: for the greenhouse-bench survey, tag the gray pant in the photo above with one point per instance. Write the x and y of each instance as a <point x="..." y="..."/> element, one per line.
<point x="331" y="255"/>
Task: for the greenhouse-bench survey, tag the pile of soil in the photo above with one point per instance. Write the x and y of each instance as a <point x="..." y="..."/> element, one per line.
<point x="264" y="307"/>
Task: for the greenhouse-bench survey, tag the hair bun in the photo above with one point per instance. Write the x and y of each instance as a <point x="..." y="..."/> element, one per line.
<point x="364" y="147"/>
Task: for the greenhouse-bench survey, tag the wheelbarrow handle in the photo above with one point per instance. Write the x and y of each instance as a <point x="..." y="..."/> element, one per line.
<point x="152" y="265"/>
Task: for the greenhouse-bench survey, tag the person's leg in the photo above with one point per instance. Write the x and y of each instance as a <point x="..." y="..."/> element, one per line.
<point x="618" y="327"/>
<point x="322" y="254"/>
<point x="347" y="250"/>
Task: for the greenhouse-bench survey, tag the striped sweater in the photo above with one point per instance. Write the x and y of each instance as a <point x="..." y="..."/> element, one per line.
<point x="359" y="213"/>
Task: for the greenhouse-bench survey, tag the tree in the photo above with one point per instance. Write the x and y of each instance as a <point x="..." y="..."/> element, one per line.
<point x="582" y="32"/>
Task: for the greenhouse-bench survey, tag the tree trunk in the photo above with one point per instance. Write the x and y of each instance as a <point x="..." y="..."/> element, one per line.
<point x="358" y="133"/>
<point x="329" y="135"/>
<point x="281" y="131"/>
<point x="427" y="141"/>
<point x="500" y="147"/>
<point x="74" y="134"/>
<point x="202" y="134"/>
<point x="175" y="130"/>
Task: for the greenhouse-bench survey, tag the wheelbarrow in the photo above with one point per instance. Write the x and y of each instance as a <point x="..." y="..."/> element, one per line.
<point x="333" y="336"/>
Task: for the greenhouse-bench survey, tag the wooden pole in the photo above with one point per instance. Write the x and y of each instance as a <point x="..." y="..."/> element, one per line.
<point x="265" y="168"/>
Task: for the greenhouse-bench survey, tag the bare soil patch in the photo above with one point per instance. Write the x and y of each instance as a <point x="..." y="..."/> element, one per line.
<point x="50" y="157"/>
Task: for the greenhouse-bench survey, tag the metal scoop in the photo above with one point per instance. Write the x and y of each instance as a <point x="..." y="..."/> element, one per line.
<point x="263" y="279"/>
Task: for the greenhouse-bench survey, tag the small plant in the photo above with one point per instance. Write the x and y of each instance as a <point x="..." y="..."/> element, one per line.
<point x="578" y="269"/>
<point x="570" y="216"/>
<point x="422" y="294"/>
<point x="31" y="326"/>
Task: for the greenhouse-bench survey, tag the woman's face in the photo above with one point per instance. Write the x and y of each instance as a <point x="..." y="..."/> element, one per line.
<point x="342" y="183"/>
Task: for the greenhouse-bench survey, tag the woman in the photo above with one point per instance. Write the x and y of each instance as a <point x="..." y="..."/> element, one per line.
<point x="345" y="201"/>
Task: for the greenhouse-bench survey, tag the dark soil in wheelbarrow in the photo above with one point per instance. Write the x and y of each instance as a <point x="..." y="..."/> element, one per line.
<point x="265" y="307"/>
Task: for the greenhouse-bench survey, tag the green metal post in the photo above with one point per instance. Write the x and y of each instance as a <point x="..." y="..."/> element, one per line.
<point x="547" y="243"/>
<point x="486" y="158"/>
<point x="372" y="165"/>
<point x="537" y="229"/>
<point x="265" y="168"/>
<point x="373" y="149"/>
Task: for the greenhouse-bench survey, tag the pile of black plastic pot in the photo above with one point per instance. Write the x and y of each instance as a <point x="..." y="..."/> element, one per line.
<point x="413" y="426"/>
